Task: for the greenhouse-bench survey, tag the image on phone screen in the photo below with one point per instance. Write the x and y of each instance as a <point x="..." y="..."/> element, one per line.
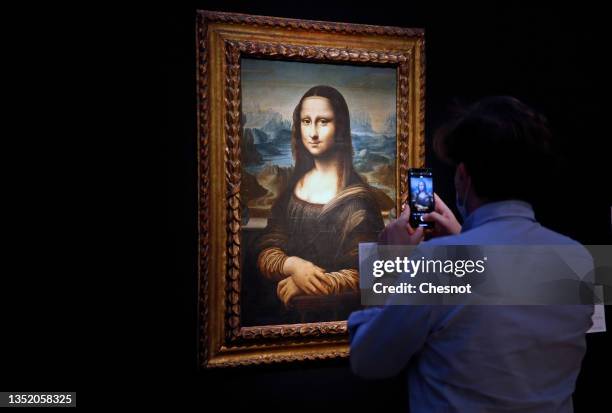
<point x="421" y="195"/>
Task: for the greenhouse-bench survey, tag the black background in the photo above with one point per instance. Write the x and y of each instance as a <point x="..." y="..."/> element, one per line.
<point x="548" y="58"/>
<point x="105" y="296"/>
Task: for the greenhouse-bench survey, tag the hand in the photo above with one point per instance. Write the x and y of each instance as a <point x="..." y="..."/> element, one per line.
<point x="400" y="232"/>
<point x="287" y="289"/>
<point x="304" y="274"/>
<point x="443" y="218"/>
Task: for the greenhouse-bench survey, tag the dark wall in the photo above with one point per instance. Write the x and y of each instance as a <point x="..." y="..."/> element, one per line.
<point x="550" y="59"/>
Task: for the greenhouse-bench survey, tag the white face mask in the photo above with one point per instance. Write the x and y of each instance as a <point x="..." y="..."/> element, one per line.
<point x="461" y="205"/>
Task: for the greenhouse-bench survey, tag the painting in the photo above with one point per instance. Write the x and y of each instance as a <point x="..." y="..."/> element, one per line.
<point x="306" y="132"/>
<point x="318" y="156"/>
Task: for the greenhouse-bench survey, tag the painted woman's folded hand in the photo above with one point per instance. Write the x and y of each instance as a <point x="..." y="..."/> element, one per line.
<point x="286" y="290"/>
<point x="304" y="274"/>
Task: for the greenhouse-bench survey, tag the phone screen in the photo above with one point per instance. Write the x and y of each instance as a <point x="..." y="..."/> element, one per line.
<point x="421" y="196"/>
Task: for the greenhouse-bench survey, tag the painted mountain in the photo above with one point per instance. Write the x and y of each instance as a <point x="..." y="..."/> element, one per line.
<point x="266" y="156"/>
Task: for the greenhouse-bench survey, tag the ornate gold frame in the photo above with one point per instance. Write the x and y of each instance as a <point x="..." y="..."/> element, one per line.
<point x="222" y="38"/>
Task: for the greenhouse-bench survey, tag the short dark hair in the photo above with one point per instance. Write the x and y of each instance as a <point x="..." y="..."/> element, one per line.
<point x="504" y="145"/>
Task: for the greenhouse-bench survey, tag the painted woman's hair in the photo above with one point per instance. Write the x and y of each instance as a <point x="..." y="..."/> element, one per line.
<point x="343" y="144"/>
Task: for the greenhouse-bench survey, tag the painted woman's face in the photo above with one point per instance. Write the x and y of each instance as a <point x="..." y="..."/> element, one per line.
<point x="317" y="125"/>
<point x="421" y="186"/>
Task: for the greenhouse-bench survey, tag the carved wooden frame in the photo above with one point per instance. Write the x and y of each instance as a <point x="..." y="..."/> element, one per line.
<point x="222" y="38"/>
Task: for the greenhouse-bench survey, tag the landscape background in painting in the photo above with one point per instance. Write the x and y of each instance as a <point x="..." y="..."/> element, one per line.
<point x="270" y="92"/>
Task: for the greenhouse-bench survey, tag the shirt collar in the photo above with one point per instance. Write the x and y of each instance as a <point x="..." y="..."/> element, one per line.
<point x="497" y="210"/>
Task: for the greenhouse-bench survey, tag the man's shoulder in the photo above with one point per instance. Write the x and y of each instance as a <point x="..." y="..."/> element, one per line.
<point x="555" y="237"/>
<point x="487" y="234"/>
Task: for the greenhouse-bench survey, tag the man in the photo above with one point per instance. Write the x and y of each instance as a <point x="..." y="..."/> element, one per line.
<point x="480" y="358"/>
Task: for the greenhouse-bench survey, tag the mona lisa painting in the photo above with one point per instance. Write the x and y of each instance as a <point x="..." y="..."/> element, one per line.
<point x="321" y="182"/>
<point x="304" y="150"/>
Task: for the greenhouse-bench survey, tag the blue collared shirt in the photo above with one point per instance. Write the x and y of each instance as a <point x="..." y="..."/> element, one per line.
<point x="479" y="358"/>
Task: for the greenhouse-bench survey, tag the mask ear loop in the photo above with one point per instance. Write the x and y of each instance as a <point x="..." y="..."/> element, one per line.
<point x="465" y="194"/>
<point x="461" y="207"/>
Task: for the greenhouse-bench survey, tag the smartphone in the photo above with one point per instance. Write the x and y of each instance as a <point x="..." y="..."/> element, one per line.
<point x="421" y="200"/>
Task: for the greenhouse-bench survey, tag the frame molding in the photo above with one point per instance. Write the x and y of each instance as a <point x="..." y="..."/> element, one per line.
<point x="222" y="39"/>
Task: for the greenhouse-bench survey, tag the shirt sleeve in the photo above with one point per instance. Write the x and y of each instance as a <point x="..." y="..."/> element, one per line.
<point x="270" y="262"/>
<point x="384" y="339"/>
<point x="272" y="245"/>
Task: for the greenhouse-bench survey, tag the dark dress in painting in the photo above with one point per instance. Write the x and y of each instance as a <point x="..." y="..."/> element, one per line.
<point x="423" y="200"/>
<point x="328" y="235"/>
